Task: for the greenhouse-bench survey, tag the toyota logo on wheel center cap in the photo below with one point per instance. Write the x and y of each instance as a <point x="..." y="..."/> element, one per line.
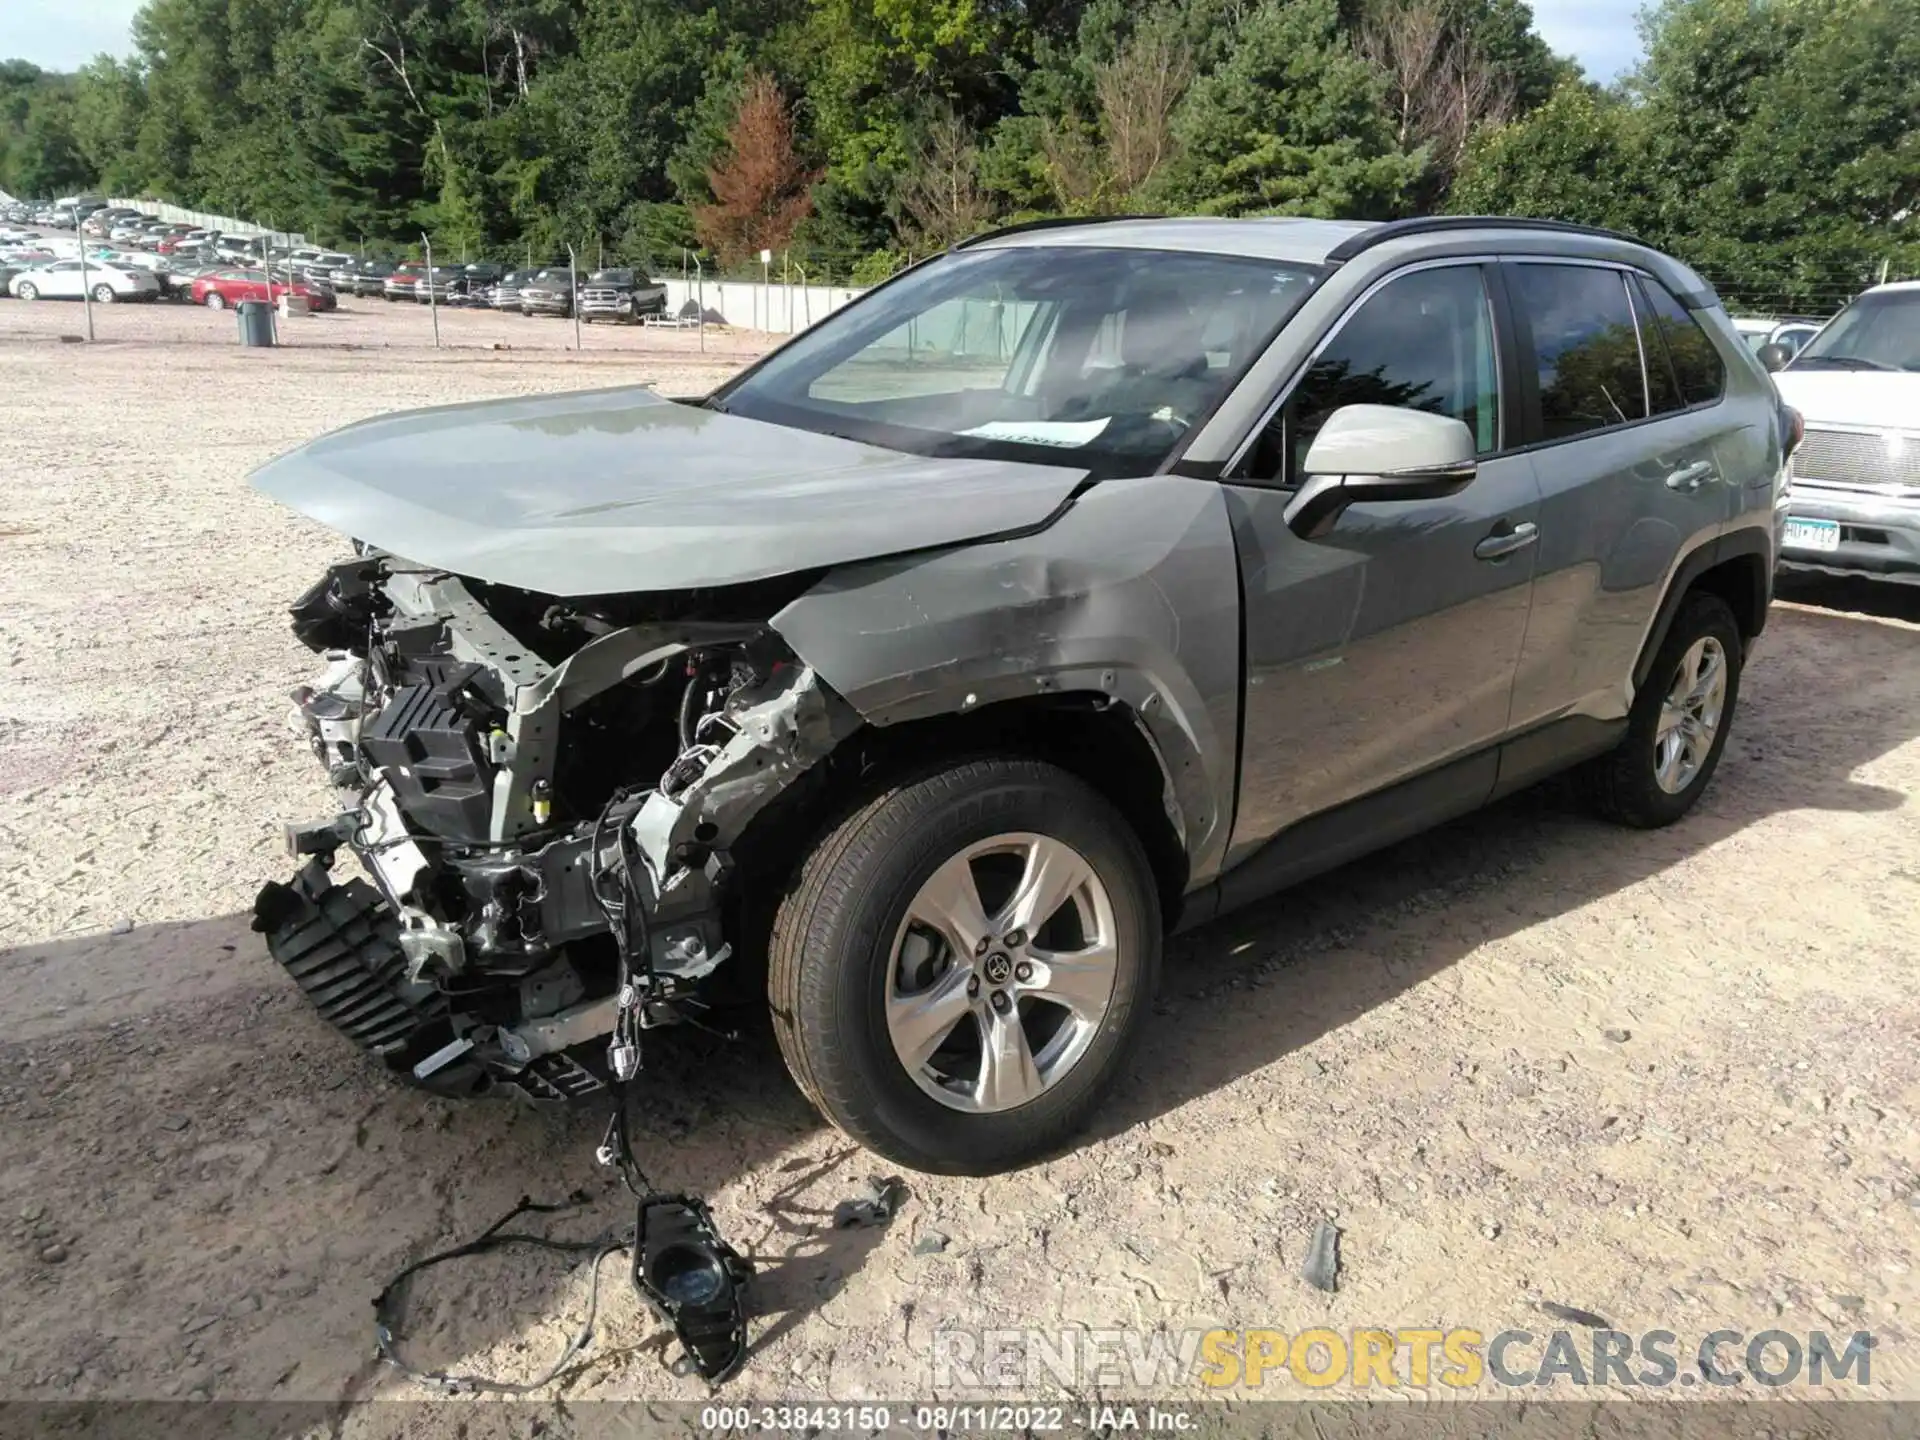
<point x="999" y="969"/>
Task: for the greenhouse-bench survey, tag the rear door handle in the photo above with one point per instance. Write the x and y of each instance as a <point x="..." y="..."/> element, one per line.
<point x="1690" y="477"/>
<point x="1503" y="543"/>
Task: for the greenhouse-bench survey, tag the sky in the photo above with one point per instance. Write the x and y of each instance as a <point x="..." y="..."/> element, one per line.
<point x="64" y="34"/>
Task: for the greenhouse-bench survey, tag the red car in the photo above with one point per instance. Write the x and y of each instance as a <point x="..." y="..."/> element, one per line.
<point x="218" y="289"/>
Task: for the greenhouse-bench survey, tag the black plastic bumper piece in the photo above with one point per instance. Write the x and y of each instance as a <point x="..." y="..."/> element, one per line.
<point x="341" y="945"/>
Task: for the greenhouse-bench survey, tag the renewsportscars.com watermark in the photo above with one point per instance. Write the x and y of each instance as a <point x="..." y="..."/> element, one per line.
<point x="1455" y="1359"/>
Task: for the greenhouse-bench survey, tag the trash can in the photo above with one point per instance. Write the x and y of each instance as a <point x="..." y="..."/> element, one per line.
<point x="256" y="322"/>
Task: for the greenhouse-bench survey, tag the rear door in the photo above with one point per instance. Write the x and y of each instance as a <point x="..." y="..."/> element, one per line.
<point x="1386" y="648"/>
<point x="1632" y="452"/>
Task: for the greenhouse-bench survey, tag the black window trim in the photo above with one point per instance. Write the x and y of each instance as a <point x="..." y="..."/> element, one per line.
<point x="1530" y="366"/>
<point x="1505" y="362"/>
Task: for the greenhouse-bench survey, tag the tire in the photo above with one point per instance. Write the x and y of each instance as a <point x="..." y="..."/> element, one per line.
<point x="844" y="929"/>
<point x="103" y="294"/>
<point x="215" y="300"/>
<point x="28" y="292"/>
<point x="1626" y="785"/>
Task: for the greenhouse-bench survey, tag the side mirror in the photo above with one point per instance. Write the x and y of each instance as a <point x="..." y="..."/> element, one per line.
<point x="1774" y="356"/>
<point x="1368" y="453"/>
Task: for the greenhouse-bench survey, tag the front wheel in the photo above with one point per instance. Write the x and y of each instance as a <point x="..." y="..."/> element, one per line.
<point x="1679" y="722"/>
<point x="959" y="971"/>
<point x="28" y="292"/>
<point x="103" y="294"/>
<point x="216" y="301"/>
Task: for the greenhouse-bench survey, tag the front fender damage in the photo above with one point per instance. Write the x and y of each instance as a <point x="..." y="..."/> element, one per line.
<point x="1131" y="596"/>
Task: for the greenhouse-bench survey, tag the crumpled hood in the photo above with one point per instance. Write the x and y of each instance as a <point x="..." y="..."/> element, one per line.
<point x="1865" y="399"/>
<point x="611" y="491"/>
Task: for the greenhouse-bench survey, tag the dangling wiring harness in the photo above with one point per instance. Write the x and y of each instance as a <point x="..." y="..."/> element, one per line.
<point x="680" y="1266"/>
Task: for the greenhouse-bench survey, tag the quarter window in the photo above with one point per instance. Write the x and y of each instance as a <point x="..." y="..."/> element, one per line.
<point x="1424" y="342"/>
<point x="1696" y="364"/>
<point x="1585" y="347"/>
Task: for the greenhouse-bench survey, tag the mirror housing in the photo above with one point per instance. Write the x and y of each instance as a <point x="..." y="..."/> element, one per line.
<point x="1370" y="453"/>
<point x="1774" y="356"/>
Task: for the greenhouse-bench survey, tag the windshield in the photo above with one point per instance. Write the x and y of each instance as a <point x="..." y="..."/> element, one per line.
<point x="1102" y="359"/>
<point x="611" y="277"/>
<point x="1878" y="331"/>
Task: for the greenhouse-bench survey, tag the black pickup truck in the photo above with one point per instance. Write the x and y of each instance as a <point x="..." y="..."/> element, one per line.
<point x="620" y="295"/>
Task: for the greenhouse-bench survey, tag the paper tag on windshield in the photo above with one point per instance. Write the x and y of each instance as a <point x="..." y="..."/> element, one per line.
<point x="1066" y="433"/>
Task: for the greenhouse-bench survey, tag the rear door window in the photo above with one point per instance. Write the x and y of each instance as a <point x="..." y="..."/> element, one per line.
<point x="1586" y="348"/>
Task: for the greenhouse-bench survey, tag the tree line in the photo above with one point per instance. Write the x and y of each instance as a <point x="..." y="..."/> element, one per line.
<point x="1773" y="142"/>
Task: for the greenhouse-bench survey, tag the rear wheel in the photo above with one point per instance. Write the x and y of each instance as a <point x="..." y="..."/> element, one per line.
<point x="103" y="294"/>
<point x="961" y="967"/>
<point x="1679" y="722"/>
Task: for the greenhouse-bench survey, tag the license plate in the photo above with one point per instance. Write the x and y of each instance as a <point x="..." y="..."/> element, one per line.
<point x="1813" y="535"/>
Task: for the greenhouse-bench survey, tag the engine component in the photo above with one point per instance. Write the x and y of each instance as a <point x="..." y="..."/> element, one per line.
<point x="433" y="751"/>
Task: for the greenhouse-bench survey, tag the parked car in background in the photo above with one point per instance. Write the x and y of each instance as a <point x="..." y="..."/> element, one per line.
<point x="620" y="294"/>
<point x="506" y="292"/>
<point x="243" y="247"/>
<point x="7" y="271"/>
<point x="321" y="265"/>
<point x="400" y="284"/>
<point x="475" y="286"/>
<point x="219" y="289"/>
<point x="1793" y="335"/>
<point x="74" y="279"/>
<point x="434" y="286"/>
<point x="370" y="277"/>
<point x="547" y="292"/>
<point x="1855" y="505"/>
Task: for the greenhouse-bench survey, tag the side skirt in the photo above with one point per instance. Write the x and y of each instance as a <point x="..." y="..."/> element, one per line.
<point x="1326" y="841"/>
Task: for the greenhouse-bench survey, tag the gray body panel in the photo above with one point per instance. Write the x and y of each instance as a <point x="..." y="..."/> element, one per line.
<point x="1613" y="534"/>
<point x="1131" y="593"/>
<point x="1379" y="650"/>
<point x="616" y="491"/>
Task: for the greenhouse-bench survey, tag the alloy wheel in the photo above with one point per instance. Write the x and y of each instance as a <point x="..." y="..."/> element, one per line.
<point x="1690" y="715"/>
<point x="1002" y="972"/>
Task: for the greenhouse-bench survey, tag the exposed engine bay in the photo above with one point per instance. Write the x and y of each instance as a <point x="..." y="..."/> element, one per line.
<point x="546" y="796"/>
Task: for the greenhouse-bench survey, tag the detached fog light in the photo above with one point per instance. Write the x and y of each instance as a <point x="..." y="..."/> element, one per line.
<point x="694" y="1279"/>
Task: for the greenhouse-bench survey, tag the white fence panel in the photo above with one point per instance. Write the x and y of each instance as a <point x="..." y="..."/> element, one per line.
<point x="748" y="305"/>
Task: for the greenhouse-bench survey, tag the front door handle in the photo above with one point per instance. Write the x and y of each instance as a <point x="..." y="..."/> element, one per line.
<point x="1690" y="478"/>
<point x="1502" y="543"/>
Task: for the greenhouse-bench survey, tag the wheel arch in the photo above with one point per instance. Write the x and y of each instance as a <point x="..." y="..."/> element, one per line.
<point x="1737" y="567"/>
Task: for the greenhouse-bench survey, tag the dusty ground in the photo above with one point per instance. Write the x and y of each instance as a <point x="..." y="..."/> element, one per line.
<point x="1667" y="1078"/>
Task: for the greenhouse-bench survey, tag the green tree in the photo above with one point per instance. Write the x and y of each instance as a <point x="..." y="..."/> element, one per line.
<point x="1291" y="122"/>
<point x="1580" y="157"/>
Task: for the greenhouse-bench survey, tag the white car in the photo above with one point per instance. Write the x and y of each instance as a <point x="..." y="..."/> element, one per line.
<point x="64" y="280"/>
<point x="1855" y="505"/>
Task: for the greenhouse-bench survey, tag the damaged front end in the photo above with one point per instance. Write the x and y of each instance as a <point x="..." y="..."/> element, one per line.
<point x="547" y="796"/>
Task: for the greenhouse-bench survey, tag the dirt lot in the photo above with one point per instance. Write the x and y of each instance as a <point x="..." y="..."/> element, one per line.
<point x="1667" y="1078"/>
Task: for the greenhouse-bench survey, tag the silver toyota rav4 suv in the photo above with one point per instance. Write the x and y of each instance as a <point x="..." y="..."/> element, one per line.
<point x="1074" y="587"/>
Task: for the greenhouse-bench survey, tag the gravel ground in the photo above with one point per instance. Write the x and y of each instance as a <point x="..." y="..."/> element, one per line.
<point x="1668" y="1078"/>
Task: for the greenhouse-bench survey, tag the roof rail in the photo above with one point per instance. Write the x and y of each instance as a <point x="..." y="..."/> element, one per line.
<point x="1055" y="222"/>
<point x="1430" y="224"/>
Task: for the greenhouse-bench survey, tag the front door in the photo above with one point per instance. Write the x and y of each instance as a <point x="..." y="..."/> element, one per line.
<point x="1386" y="648"/>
